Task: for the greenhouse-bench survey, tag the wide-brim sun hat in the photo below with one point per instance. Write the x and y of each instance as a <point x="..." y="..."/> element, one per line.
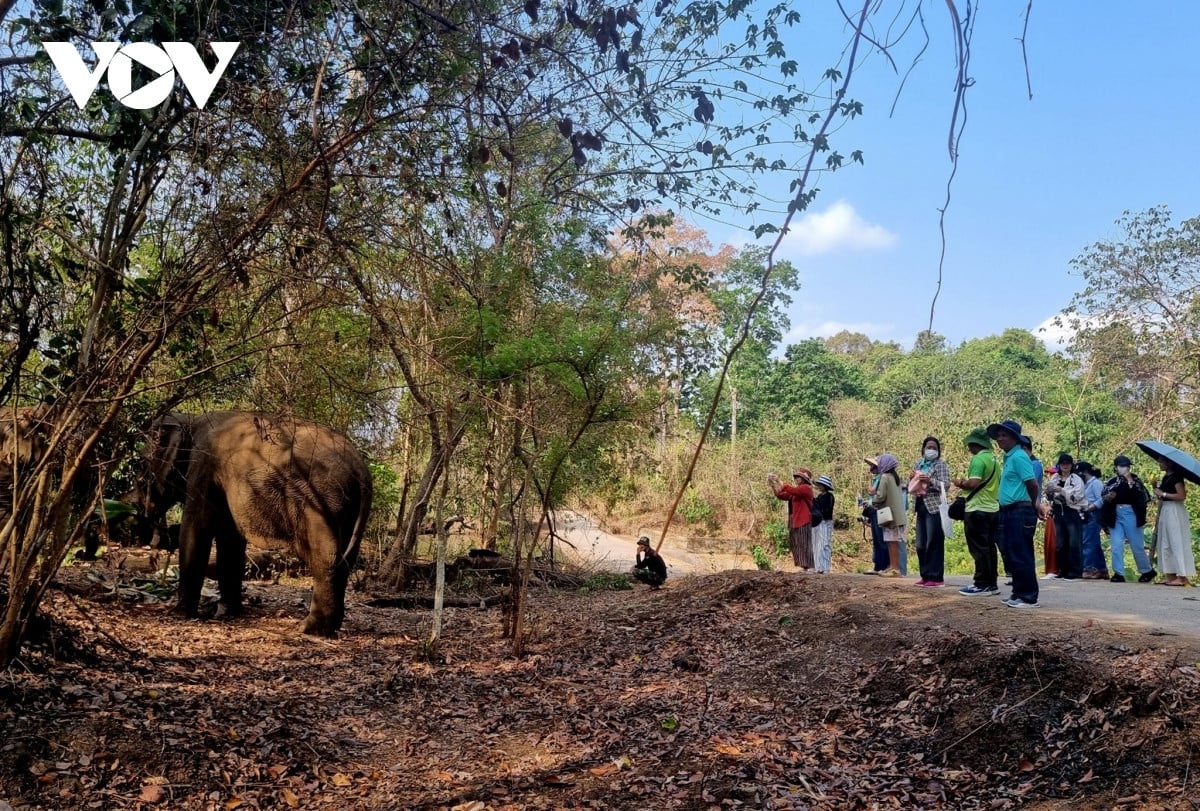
<point x="873" y="461"/>
<point x="1012" y="426"/>
<point x="802" y="473"/>
<point x="825" y="482"/>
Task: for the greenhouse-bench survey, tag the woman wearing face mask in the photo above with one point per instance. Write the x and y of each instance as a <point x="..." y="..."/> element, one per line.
<point x="930" y="475"/>
<point x="1124" y="515"/>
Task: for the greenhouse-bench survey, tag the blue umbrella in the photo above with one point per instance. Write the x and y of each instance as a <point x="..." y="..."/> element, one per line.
<point x="1187" y="463"/>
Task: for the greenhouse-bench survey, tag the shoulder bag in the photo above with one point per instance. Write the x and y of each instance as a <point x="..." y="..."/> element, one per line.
<point x="958" y="510"/>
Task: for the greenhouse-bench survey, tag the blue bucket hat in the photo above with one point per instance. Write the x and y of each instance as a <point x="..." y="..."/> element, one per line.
<point x="1012" y="426"/>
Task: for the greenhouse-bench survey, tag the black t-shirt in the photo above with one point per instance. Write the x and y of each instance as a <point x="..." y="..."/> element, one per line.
<point x="1169" y="483"/>
<point x="654" y="562"/>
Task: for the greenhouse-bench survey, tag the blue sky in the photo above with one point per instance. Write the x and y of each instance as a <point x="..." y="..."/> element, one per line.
<point x="1111" y="127"/>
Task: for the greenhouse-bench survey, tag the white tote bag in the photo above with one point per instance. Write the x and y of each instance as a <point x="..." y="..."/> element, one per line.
<point x="884" y="516"/>
<point x="944" y="512"/>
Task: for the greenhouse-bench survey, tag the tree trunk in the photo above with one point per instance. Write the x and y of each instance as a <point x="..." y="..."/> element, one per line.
<point x="439" y="588"/>
<point x="393" y="566"/>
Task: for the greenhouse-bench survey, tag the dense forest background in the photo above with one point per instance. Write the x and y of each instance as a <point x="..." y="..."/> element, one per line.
<point x="462" y="236"/>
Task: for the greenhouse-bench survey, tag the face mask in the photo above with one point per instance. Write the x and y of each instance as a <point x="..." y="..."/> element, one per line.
<point x="1121" y="471"/>
<point x="931" y="454"/>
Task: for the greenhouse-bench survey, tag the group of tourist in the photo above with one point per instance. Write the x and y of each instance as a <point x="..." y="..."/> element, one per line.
<point x="1002" y="498"/>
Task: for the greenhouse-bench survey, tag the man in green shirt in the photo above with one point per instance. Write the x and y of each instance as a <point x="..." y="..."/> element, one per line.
<point x="1018" y="517"/>
<point x="981" y="522"/>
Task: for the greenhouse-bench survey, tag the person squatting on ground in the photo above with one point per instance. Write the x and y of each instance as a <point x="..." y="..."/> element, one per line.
<point x="1173" y="531"/>
<point x="649" y="566"/>
<point x="929" y="480"/>
<point x="822" y="534"/>
<point x="799" y="496"/>
<point x="981" y="521"/>
<point x="1124" y="516"/>
<point x="888" y="495"/>
<point x="1065" y="496"/>
<point x="1018" y="517"/>
<point x="1094" y="565"/>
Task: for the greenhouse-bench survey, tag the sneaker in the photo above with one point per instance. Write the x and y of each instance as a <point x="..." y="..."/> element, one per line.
<point x="922" y="582"/>
<point x="1017" y="602"/>
<point x="932" y="584"/>
<point x="973" y="591"/>
<point x="889" y="573"/>
<point x="1008" y="582"/>
<point x="1050" y="576"/>
<point x="1148" y="577"/>
<point x="1117" y="578"/>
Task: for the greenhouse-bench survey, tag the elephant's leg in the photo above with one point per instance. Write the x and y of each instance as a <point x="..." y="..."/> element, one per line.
<point x="328" y="605"/>
<point x="195" y="544"/>
<point x="330" y="575"/>
<point x="231" y="565"/>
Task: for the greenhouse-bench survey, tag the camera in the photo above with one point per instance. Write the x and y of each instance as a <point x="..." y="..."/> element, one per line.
<point x="862" y="519"/>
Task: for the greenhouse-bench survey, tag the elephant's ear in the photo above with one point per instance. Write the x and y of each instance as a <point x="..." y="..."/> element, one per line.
<point x="23" y="434"/>
<point x="163" y="451"/>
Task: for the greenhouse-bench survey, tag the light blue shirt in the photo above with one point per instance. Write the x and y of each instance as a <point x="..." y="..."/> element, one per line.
<point x="1093" y="491"/>
<point x="1018" y="469"/>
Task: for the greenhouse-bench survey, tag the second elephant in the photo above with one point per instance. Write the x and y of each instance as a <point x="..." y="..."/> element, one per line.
<point x="275" y="482"/>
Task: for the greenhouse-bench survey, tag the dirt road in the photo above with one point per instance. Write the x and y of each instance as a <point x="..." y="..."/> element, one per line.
<point x="593" y="546"/>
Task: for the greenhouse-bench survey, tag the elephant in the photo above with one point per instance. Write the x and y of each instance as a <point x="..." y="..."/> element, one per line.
<point x="22" y="443"/>
<point x="271" y="481"/>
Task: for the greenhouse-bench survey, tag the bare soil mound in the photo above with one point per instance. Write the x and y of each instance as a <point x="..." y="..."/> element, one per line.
<point x="737" y="689"/>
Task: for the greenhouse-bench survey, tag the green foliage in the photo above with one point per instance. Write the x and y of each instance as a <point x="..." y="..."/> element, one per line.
<point x="761" y="559"/>
<point x="775" y="532"/>
<point x="695" y="509"/>
<point x="386" y="488"/>
<point x="607" y="581"/>
<point x="1136" y="325"/>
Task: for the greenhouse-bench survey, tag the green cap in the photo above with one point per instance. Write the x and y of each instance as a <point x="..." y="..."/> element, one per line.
<point x="979" y="437"/>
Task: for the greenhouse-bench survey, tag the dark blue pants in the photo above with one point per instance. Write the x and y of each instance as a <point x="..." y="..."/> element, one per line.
<point x="1017" y="526"/>
<point x="879" y="552"/>
<point x="1068" y="542"/>
<point x="931" y="544"/>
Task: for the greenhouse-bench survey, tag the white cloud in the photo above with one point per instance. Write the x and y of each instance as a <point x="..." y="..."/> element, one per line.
<point x="838" y="228"/>
<point x="1058" y="338"/>
<point x="1055" y="337"/>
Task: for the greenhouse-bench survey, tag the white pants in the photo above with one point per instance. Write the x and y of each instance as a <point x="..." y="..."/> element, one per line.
<point x="822" y="541"/>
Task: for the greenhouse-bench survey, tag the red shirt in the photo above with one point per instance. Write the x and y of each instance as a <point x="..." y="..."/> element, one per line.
<point x="799" y="498"/>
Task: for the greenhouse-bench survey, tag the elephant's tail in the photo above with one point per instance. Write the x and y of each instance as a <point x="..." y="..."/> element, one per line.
<point x="366" y="494"/>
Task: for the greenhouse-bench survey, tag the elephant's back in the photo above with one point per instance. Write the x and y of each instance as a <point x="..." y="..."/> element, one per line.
<point x="277" y="468"/>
